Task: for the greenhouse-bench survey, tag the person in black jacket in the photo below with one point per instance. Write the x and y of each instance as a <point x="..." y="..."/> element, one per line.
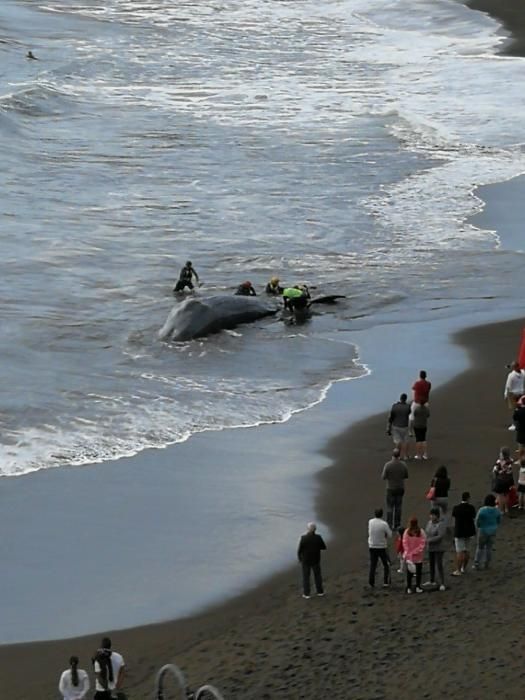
<point x="309" y="554"/>
<point x="464" y="515"/>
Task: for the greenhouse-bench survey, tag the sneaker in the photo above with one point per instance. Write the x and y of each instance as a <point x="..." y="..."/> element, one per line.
<point x="442" y="587"/>
<point x="306" y="596"/>
<point x="457" y="573"/>
<point x="475" y="567"/>
<point x="320" y="595"/>
<point x="386" y="585"/>
<point x="400" y="571"/>
<point x="512" y="427"/>
<point x="427" y="584"/>
<point x="417" y="457"/>
<point x="425" y="456"/>
<point x="409" y="591"/>
<point x="419" y="590"/>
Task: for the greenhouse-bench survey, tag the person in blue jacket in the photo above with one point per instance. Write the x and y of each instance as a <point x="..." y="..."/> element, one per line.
<point x="487" y="521"/>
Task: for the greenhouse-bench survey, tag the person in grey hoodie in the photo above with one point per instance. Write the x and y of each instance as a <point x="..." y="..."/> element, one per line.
<point x="436" y="531"/>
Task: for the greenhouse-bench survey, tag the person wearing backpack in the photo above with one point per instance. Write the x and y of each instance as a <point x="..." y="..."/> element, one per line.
<point x="109" y="670"/>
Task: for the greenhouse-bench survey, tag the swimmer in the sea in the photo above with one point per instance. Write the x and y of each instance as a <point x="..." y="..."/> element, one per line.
<point x="31" y="55"/>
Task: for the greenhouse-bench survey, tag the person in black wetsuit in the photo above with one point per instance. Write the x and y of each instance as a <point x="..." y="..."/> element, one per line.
<point x="246" y="290"/>
<point x="273" y="287"/>
<point x="185" y="277"/>
<point x="296" y="298"/>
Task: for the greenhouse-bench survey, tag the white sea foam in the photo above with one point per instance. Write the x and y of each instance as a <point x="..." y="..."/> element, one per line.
<point x="326" y="141"/>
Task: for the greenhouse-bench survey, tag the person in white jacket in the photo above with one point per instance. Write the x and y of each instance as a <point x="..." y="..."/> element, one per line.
<point x="74" y="682"/>
<point x="514" y="388"/>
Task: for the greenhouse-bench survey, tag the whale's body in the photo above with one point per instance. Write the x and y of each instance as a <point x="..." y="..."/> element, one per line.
<point x="198" y="317"/>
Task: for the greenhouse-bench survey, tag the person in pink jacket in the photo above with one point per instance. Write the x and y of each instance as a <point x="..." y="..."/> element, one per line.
<point x="414" y="542"/>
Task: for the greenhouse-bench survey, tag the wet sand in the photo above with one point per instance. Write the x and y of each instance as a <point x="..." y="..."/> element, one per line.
<point x="512" y="14"/>
<point x="271" y="643"/>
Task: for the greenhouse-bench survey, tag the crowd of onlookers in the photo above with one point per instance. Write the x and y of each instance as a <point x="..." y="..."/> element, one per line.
<point x="407" y="424"/>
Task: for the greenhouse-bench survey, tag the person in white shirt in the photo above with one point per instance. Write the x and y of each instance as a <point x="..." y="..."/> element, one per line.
<point x="514" y="388"/>
<point x="74" y="682"/>
<point x="109" y="671"/>
<point x="378" y="535"/>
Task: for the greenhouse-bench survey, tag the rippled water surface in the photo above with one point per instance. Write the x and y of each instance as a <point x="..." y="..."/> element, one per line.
<point x="333" y="142"/>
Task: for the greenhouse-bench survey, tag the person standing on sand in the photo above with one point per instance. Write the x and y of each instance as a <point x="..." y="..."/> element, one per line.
<point x="394" y="473"/>
<point x="487" y="521"/>
<point x="109" y="670"/>
<point x="397" y="425"/>
<point x="441" y="484"/>
<point x="74" y="682"/>
<point x="521" y="484"/>
<point x="518" y="420"/>
<point x="378" y="536"/>
<point x="514" y="388"/>
<point x="464" y="515"/>
<point x="503" y="479"/>
<point x="436" y="531"/>
<point x="420" y="415"/>
<point x="309" y="554"/>
<point x="414" y="541"/>
<point x="421" y="389"/>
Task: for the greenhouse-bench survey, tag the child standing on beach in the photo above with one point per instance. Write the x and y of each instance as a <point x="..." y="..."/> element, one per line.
<point x="399" y="550"/>
<point x="414" y="541"/>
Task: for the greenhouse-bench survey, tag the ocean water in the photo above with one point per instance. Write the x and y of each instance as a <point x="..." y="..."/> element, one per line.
<point x="333" y="142"/>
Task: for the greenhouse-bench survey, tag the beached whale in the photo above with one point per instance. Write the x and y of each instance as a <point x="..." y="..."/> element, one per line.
<point x="197" y="317"/>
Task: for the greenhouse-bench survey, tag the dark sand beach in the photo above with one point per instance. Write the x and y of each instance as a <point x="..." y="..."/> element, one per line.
<point x="272" y="643"/>
<point x="512" y="14"/>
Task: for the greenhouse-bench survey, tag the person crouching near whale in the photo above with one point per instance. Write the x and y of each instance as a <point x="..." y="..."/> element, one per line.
<point x="296" y="298"/>
<point x="273" y="287"/>
<point x="185" y="278"/>
<point x="246" y="290"/>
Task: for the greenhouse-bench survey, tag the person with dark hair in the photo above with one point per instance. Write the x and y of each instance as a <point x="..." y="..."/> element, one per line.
<point x="464" y="515"/>
<point x="514" y="388"/>
<point x="436" y="531"/>
<point x="487" y="521"/>
<point x="441" y="484"/>
<point x="245" y="289"/>
<point x="309" y="554"/>
<point x="414" y="542"/>
<point x="109" y="670"/>
<point x="421" y="389"/>
<point x="74" y="681"/>
<point x="185" y="277"/>
<point x="397" y="425"/>
<point x="419" y="423"/>
<point x="503" y="479"/>
<point x="378" y="536"/>
<point x="394" y="473"/>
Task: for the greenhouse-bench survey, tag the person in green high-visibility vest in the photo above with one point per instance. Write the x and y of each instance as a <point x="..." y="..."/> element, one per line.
<point x="296" y="298"/>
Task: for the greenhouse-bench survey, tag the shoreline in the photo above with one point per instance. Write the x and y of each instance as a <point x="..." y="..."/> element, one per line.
<point x="201" y="639"/>
<point x="512" y="15"/>
<point x="201" y="643"/>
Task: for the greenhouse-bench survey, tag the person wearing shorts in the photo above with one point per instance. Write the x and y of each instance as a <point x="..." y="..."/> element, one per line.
<point x="464" y="515"/>
<point x="397" y="425"/>
<point x="420" y="415"/>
